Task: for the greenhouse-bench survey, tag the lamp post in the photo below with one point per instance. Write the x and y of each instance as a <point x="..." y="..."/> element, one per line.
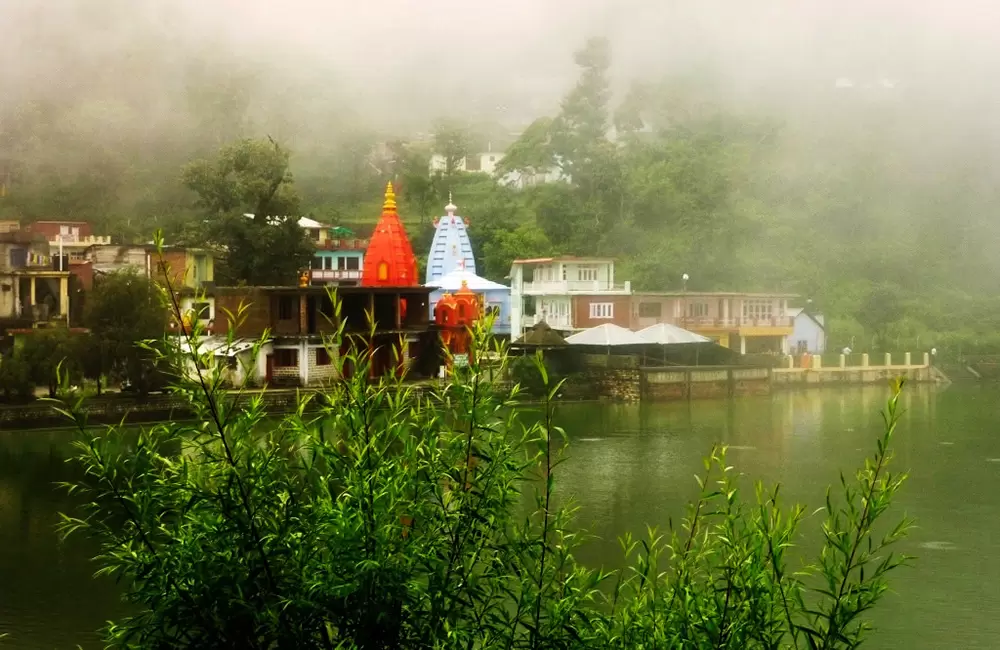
<point x="684" y="288"/>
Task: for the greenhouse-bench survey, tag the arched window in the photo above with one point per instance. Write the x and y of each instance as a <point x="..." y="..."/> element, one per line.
<point x="383" y="271"/>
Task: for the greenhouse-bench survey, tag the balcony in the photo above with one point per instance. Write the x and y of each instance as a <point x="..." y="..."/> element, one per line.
<point x="732" y="323"/>
<point x="335" y="275"/>
<point x="340" y="244"/>
<point x="555" y="322"/>
<point x="562" y="287"/>
<point x="77" y="241"/>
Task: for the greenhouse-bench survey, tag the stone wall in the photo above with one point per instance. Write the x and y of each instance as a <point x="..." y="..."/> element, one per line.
<point x="697" y="382"/>
<point x="805" y="377"/>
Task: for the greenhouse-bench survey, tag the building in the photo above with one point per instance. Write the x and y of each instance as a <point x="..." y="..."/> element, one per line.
<point x="68" y="238"/>
<point x="339" y="254"/>
<point x="298" y="322"/>
<point x="808" y="332"/>
<point x="488" y="163"/>
<point x="748" y="322"/>
<point x="190" y="268"/>
<point x="33" y="291"/>
<point x="493" y="298"/>
<point x="568" y="293"/>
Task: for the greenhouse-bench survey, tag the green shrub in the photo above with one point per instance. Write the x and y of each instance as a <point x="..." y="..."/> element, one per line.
<point x="378" y="517"/>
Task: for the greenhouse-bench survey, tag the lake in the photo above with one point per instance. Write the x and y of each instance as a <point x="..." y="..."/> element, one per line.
<point x="632" y="465"/>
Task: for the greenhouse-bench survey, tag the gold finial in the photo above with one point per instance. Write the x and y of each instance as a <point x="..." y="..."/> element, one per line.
<point x="390" y="198"/>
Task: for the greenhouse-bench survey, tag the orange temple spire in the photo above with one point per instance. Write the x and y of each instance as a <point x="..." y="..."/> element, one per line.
<point x="389" y="261"/>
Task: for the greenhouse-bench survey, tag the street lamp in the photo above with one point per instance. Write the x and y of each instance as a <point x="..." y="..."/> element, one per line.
<point x="684" y="288"/>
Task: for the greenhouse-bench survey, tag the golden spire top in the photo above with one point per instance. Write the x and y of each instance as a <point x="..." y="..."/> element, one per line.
<point x="390" y="199"/>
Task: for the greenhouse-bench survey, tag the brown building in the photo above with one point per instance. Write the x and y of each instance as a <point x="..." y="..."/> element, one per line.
<point x="748" y="322"/>
<point x="299" y="320"/>
<point x="593" y="310"/>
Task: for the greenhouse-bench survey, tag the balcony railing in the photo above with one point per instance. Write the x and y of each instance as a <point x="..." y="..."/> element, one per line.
<point x="555" y="322"/>
<point x="335" y="275"/>
<point x="341" y="244"/>
<point x="77" y="241"/>
<point x="575" y="286"/>
<point x="739" y="321"/>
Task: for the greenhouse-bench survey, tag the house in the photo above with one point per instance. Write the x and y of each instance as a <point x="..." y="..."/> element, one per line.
<point x="33" y="291"/>
<point x="191" y="268"/>
<point x="808" y="332"/>
<point x="488" y="163"/>
<point x="298" y="322"/>
<point x="68" y="238"/>
<point x="339" y="254"/>
<point x="748" y="322"/>
<point x="568" y="293"/>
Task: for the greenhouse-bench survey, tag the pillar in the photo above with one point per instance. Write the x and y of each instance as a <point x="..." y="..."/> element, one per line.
<point x="31" y="288"/>
<point x="817" y="362"/>
<point x="743" y="345"/>
<point x="784" y="345"/>
<point x="725" y="310"/>
<point x="843" y="361"/>
<point x="789" y="361"/>
<point x="864" y="360"/>
<point x="888" y="359"/>
<point x="927" y="358"/>
<point x="907" y="359"/>
<point x="64" y="297"/>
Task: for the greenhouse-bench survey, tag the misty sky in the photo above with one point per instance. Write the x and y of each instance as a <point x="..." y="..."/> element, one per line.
<point x="393" y="57"/>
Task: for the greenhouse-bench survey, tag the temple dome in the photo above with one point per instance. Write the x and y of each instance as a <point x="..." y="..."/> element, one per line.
<point x="451" y="248"/>
<point x="389" y="260"/>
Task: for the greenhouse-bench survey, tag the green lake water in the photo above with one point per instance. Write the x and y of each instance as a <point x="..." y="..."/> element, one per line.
<point x="632" y="465"/>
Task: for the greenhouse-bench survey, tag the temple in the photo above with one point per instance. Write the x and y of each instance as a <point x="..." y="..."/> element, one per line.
<point x="389" y="261"/>
<point x="451" y="248"/>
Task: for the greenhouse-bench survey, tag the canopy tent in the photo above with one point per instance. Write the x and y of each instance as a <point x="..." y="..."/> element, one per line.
<point x="453" y="282"/>
<point x="607" y="335"/>
<point x="666" y="334"/>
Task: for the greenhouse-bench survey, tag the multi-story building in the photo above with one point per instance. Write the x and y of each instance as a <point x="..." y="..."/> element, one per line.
<point x="339" y="257"/>
<point x="68" y="238"/>
<point x="748" y="322"/>
<point x="568" y="293"/>
<point x="33" y="291"/>
<point x="191" y="268"/>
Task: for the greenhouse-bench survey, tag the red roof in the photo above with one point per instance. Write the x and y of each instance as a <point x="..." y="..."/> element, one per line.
<point x="389" y="261"/>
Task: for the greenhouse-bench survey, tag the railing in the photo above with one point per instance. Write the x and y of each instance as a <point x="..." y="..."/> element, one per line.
<point x="578" y="286"/>
<point x="335" y="244"/>
<point x="555" y="322"/>
<point x="76" y="240"/>
<point x="702" y="321"/>
<point x="329" y="275"/>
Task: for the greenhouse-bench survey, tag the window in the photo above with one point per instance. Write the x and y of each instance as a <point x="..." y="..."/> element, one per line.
<point x="285" y="308"/>
<point x="530" y="308"/>
<point x="757" y="309"/>
<point x="353" y="263"/>
<point x="564" y="272"/>
<point x="317" y="262"/>
<point x="285" y="358"/>
<point x="586" y="274"/>
<point x="492" y="311"/>
<point x="602" y="310"/>
<point x="697" y="309"/>
<point x="650" y="309"/>
<point x="322" y="357"/>
<point x="316" y="234"/>
<point x="202" y="310"/>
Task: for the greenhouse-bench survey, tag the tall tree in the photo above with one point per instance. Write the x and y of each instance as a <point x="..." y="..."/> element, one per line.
<point x="123" y="310"/>
<point x="251" y="177"/>
<point x="453" y="142"/>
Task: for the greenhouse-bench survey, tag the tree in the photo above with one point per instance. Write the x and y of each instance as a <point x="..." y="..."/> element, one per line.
<point x="123" y="310"/>
<point x="15" y="377"/>
<point x="453" y="142"/>
<point x="880" y="309"/>
<point x="52" y="355"/>
<point x="388" y="519"/>
<point x="251" y="177"/>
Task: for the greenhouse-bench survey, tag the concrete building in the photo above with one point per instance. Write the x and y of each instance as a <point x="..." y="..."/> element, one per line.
<point x="73" y="238"/>
<point x="33" y="291"/>
<point x="488" y="162"/>
<point x="568" y="293"/>
<point x="808" y="332"/>
<point x="748" y="322"/>
<point x="191" y="268"/>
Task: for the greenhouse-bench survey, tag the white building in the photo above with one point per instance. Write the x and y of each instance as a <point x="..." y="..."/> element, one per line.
<point x="808" y="333"/>
<point x="568" y="293"/>
<point x="487" y="163"/>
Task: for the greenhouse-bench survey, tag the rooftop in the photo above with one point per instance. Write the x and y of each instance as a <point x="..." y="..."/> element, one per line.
<point x="712" y="294"/>
<point x="563" y="258"/>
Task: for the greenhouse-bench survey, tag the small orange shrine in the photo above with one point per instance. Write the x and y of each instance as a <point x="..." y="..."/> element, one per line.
<point x="456" y="314"/>
<point x="389" y="260"/>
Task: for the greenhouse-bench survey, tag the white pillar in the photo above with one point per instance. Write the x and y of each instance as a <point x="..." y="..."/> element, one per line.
<point x="864" y="360"/>
<point x="888" y="359"/>
<point x="907" y="358"/>
<point x="927" y="358"/>
<point x="743" y="345"/>
<point x="817" y="362"/>
<point x="843" y="361"/>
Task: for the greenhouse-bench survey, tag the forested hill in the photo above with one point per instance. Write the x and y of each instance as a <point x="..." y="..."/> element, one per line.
<point x="864" y="199"/>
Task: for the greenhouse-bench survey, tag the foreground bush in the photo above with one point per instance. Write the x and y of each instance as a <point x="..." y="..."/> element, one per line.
<point x="378" y="516"/>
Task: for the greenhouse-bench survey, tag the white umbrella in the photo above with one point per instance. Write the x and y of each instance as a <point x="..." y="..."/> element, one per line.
<point x="606" y="335"/>
<point x="666" y="334"/>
